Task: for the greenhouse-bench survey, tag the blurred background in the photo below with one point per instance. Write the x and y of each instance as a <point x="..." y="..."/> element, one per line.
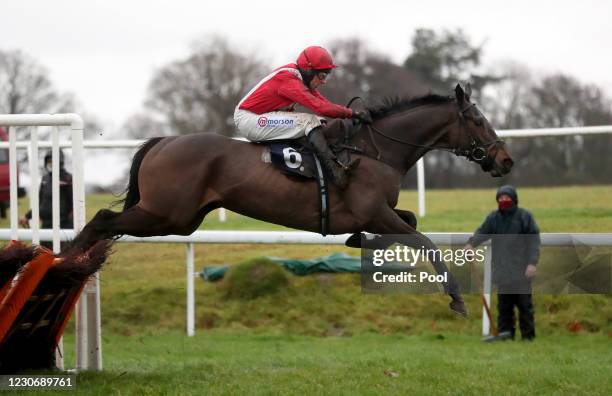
<point x="141" y="69"/>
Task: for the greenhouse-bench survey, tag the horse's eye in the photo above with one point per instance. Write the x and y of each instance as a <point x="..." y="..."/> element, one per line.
<point x="478" y="121"/>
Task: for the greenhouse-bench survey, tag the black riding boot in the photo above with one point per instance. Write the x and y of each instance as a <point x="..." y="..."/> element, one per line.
<point x="327" y="157"/>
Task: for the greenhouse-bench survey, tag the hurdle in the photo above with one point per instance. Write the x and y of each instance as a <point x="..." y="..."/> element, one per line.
<point x="88" y="329"/>
<point x="37" y="298"/>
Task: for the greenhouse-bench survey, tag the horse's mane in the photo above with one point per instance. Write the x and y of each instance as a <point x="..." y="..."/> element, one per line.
<point x="397" y="104"/>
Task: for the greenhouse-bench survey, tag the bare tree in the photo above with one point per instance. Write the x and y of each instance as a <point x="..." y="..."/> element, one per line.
<point x="143" y="125"/>
<point x="199" y="94"/>
<point x="25" y="86"/>
<point x="441" y="59"/>
<point x="562" y="101"/>
<point x="367" y="73"/>
<point x="507" y="102"/>
<point x="522" y="101"/>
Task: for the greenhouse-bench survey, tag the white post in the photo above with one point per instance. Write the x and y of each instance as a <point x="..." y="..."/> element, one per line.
<point x="80" y="327"/>
<point x="486" y="292"/>
<point x="13" y="182"/>
<point x="55" y="210"/>
<point x="34" y="184"/>
<point x="88" y="326"/>
<point x="190" y="291"/>
<point x="94" y="328"/>
<point x="222" y="215"/>
<point x="55" y="192"/>
<point x="83" y="310"/>
<point x="421" y="186"/>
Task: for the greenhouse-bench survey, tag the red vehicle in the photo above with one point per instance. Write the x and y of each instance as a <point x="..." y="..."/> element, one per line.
<point x="5" y="194"/>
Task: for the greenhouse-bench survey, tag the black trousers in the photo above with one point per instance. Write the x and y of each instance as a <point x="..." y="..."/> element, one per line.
<point x="506" y="320"/>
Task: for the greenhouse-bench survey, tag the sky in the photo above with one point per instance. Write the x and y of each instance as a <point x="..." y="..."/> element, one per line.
<point x="105" y="52"/>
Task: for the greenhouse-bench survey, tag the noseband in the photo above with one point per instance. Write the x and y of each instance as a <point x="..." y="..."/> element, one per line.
<point x="477" y="152"/>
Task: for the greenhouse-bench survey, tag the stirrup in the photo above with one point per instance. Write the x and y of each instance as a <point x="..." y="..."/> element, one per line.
<point x="350" y="166"/>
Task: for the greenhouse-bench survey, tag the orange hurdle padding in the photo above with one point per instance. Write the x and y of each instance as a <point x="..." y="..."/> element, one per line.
<point x="20" y="290"/>
<point x="10" y="247"/>
<point x="66" y="311"/>
<point x="5" y="289"/>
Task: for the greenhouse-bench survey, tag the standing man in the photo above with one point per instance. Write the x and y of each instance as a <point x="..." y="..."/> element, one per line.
<point x="516" y="249"/>
<point x="45" y="198"/>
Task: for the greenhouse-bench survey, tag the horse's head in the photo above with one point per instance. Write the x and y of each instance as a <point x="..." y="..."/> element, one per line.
<point x="478" y="140"/>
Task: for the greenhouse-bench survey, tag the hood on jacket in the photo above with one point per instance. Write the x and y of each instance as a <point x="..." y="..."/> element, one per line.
<point x="508" y="190"/>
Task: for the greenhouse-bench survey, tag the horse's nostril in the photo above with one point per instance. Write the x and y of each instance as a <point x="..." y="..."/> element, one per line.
<point x="508" y="163"/>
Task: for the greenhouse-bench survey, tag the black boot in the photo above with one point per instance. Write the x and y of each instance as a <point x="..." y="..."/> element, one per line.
<point x="327" y="157"/>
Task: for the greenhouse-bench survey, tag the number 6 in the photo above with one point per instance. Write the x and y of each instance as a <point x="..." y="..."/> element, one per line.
<point x="293" y="159"/>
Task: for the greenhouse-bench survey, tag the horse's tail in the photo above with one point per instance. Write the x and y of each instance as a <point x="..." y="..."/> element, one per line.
<point x="132" y="193"/>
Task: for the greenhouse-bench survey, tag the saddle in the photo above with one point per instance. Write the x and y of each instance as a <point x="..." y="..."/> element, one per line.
<point x="295" y="158"/>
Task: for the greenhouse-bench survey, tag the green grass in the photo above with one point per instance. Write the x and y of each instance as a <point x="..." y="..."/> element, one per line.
<point x="320" y="334"/>
<point x="370" y="364"/>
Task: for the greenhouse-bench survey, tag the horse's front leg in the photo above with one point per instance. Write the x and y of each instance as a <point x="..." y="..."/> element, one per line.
<point x="393" y="229"/>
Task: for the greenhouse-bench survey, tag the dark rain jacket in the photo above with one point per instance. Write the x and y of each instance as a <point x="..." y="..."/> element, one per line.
<point x="515" y="240"/>
<point x="45" y="196"/>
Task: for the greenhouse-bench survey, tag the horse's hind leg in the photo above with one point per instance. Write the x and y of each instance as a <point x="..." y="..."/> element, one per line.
<point x="107" y="224"/>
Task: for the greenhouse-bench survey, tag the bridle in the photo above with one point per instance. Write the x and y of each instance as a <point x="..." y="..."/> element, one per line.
<point x="477" y="151"/>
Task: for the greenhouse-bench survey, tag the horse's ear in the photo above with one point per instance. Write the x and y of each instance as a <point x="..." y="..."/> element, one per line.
<point x="468" y="91"/>
<point x="459" y="94"/>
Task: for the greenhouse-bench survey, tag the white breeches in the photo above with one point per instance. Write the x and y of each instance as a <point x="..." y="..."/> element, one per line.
<point x="274" y="125"/>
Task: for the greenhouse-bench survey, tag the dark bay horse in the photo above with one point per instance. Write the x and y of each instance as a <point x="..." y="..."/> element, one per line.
<point x="176" y="181"/>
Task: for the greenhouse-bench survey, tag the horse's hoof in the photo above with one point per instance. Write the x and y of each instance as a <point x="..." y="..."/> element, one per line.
<point x="458" y="307"/>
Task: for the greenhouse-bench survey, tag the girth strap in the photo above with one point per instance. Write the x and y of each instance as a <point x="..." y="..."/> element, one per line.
<point x="323" y="197"/>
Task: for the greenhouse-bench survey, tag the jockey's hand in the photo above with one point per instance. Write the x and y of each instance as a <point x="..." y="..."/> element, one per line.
<point x="363" y="116"/>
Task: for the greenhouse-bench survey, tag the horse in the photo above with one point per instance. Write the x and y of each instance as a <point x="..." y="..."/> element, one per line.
<point x="176" y="181"/>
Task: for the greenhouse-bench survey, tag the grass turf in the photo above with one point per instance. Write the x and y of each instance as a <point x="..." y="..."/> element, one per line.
<point x="370" y="364"/>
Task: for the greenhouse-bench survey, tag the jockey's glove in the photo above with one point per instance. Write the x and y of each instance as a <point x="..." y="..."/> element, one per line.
<point x="363" y="116"/>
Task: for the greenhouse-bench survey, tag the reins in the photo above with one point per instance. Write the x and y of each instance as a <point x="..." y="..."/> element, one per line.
<point x="476" y="152"/>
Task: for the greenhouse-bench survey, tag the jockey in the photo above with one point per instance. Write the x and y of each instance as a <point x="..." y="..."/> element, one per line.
<point x="267" y="111"/>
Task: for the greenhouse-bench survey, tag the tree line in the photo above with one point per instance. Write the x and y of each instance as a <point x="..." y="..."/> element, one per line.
<point x="198" y="93"/>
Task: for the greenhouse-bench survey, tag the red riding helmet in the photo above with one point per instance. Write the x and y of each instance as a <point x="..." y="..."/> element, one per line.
<point x="315" y="58"/>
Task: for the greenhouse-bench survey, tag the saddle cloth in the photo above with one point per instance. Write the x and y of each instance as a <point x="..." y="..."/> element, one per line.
<point x="290" y="157"/>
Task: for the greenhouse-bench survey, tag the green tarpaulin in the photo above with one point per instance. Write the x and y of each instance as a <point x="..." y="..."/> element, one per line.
<point x="335" y="262"/>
